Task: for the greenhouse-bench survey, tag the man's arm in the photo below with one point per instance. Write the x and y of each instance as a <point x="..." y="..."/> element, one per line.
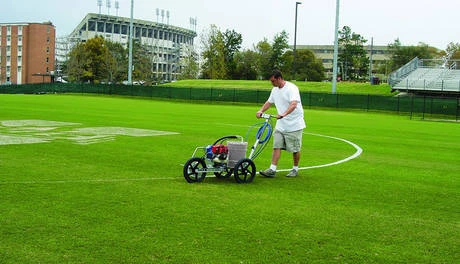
<point x="263" y="109"/>
<point x="292" y="107"/>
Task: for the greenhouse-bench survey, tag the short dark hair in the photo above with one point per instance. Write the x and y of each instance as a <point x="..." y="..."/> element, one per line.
<point x="276" y="74"/>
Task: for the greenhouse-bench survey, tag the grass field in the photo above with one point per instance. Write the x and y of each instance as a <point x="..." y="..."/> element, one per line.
<point x="321" y="87"/>
<point x="105" y="185"/>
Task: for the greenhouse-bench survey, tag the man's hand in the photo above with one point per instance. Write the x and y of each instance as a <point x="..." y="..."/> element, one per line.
<point x="259" y="114"/>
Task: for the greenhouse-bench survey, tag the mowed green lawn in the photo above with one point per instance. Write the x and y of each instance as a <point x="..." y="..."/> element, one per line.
<point x="322" y="87"/>
<point x="86" y="197"/>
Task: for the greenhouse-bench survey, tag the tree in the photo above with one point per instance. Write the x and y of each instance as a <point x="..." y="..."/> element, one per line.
<point x="142" y="67"/>
<point x="116" y="62"/>
<point x="452" y="53"/>
<point x="96" y="56"/>
<point x="246" y="65"/>
<point x="189" y="64"/>
<point x="454" y="48"/>
<point x="352" y="57"/>
<point x="213" y="54"/>
<point x="76" y="63"/>
<point x="400" y="55"/>
<point x="308" y="67"/>
<point x="270" y="56"/>
<point x="87" y="61"/>
<point x="263" y="51"/>
<point x="232" y="44"/>
<point x="280" y="45"/>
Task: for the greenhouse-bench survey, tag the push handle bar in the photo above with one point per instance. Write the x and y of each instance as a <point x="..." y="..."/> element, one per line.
<point x="267" y="116"/>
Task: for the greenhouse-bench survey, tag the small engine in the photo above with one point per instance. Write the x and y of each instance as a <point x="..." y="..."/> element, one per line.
<point x="217" y="153"/>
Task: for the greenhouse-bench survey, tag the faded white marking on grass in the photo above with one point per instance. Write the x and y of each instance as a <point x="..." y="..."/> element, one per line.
<point x="35" y="123"/>
<point x="14" y="132"/>
<point x="16" y="140"/>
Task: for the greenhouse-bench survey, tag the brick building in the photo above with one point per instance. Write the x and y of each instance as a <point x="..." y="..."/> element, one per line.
<point x="27" y="52"/>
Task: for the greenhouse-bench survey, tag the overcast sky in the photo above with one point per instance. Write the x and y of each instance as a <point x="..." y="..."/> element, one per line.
<point x="435" y="23"/>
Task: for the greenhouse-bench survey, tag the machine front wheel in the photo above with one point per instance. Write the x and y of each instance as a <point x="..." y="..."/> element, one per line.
<point x="195" y="170"/>
<point x="245" y="171"/>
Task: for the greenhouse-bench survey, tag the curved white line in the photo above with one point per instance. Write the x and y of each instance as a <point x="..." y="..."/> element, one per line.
<point x="358" y="152"/>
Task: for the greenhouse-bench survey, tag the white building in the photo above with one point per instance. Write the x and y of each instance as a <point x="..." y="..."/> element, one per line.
<point x="168" y="44"/>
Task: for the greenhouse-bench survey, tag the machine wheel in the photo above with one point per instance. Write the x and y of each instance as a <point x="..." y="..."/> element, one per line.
<point x="225" y="174"/>
<point x="244" y="171"/>
<point x="195" y="170"/>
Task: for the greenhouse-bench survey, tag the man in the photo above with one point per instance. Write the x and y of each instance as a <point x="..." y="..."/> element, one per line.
<point x="289" y="125"/>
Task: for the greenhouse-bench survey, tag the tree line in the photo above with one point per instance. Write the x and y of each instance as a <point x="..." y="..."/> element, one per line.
<point x="221" y="57"/>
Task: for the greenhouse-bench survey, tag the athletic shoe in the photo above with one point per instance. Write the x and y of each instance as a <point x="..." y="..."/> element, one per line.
<point x="268" y="173"/>
<point x="293" y="173"/>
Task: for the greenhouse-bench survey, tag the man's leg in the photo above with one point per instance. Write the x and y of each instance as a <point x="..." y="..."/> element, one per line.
<point x="296" y="158"/>
<point x="276" y="156"/>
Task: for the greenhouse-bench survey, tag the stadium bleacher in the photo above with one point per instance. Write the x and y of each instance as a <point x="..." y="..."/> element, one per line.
<point x="414" y="77"/>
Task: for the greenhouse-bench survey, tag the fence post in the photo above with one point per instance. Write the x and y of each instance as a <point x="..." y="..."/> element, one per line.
<point x="337" y="100"/>
<point x="458" y="108"/>
<point x="424" y="108"/>
<point x="411" y="106"/>
<point x="368" y="102"/>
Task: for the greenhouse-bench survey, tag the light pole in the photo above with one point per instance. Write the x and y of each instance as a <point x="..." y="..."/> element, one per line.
<point x="295" y="40"/>
<point x="336" y="48"/>
<point x="130" y="54"/>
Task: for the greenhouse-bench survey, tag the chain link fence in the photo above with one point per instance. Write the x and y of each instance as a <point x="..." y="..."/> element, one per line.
<point x="433" y="107"/>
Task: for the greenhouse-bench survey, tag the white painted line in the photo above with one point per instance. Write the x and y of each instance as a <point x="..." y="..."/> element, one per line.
<point x="358" y="152"/>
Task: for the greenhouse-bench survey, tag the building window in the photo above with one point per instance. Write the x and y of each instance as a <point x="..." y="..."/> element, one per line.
<point x="91" y="25"/>
<point x="108" y="28"/>
<point x="47" y="60"/>
<point x="124" y="29"/>
<point x="47" y="49"/>
<point x="116" y="28"/>
<point x="100" y="26"/>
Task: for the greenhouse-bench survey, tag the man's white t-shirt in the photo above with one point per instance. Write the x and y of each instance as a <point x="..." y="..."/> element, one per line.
<point x="282" y="98"/>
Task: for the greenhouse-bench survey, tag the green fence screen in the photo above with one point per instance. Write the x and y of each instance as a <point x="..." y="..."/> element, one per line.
<point x="424" y="106"/>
